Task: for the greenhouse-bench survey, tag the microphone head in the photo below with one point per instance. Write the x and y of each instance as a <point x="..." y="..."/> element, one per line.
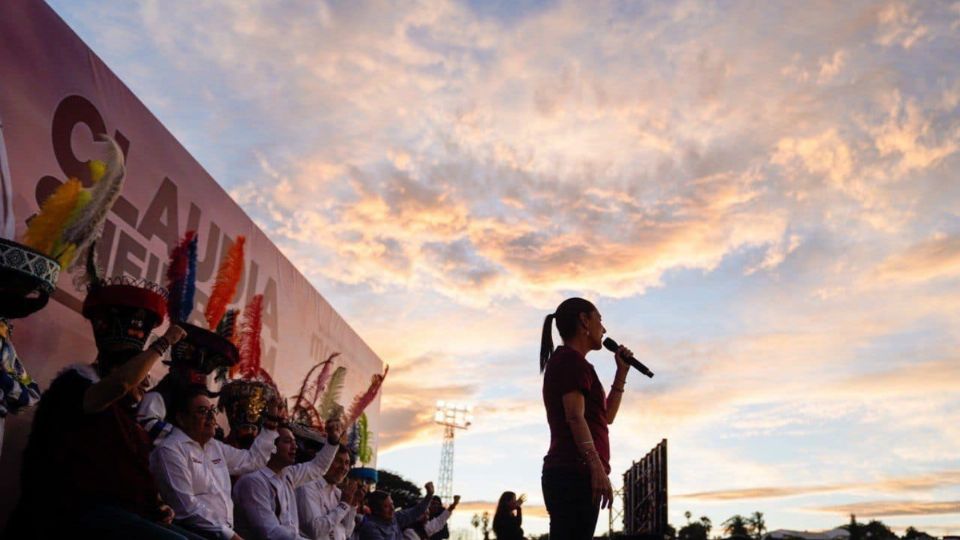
<point x="610" y="345"/>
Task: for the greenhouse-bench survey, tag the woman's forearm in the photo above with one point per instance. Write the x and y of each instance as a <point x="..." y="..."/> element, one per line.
<point x="616" y="394"/>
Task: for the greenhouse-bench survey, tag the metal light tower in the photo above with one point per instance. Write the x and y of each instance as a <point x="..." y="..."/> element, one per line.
<point x="451" y="416"/>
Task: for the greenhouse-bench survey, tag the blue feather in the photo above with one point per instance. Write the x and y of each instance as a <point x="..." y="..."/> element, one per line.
<point x="190" y="283"/>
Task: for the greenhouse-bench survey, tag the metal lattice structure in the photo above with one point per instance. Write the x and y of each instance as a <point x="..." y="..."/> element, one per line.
<point x="445" y="479"/>
<point x="645" y="494"/>
<point x="452" y="416"/>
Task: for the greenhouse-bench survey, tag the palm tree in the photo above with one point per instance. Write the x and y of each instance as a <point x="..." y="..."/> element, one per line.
<point x="736" y="527"/>
<point x="707" y="524"/>
<point x="757" y="525"/>
<point x="475" y="521"/>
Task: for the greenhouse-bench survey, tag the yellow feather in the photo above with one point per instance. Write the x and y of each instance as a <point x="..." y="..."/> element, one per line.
<point x="45" y="229"/>
<point x="83" y="199"/>
<point x="97" y="170"/>
<point x="67" y="257"/>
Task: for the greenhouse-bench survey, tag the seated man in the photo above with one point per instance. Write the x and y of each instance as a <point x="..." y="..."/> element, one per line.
<point x="324" y="510"/>
<point x="193" y="469"/>
<point x="85" y="471"/>
<point x="384" y="523"/>
<point x="266" y="506"/>
<point x="429" y="525"/>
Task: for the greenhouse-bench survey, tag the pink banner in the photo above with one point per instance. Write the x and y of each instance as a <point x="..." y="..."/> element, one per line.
<point x="55" y="95"/>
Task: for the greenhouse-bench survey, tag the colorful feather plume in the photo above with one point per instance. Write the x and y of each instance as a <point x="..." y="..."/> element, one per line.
<point x="364" y="452"/>
<point x="89" y="224"/>
<point x="362" y="401"/>
<point x="225" y="286"/>
<point x="249" y="341"/>
<point x="179" y="287"/>
<point x="322" y="379"/>
<point x="331" y="396"/>
<point x="46" y="228"/>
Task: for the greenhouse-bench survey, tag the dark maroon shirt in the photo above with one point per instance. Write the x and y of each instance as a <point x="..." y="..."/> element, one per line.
<point x="568" y="371"/>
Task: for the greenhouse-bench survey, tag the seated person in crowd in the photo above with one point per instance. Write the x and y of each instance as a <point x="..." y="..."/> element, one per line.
<point x="325" y="510"/>
<point x="85" y="471"/>
<point x="193" y="470"/>
<point x="427" y="526"/>
<point x="266" y="505"/>
<point x="384" y="523"/>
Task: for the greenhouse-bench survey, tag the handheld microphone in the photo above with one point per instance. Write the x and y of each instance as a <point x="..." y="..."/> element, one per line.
<point x="612" y="346"/>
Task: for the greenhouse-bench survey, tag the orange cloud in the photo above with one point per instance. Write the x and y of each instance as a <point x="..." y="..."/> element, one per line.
<point x="893" y="508"/>
<point x="890" y="485"/>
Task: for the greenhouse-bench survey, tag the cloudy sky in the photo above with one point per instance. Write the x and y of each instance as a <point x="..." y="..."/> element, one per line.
<point x="762" y="198"/>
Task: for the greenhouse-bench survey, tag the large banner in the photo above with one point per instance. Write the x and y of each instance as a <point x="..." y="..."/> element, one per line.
<point x="55" y="96"/>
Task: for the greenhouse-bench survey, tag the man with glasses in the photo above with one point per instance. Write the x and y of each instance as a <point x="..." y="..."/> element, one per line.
<point x="193" y="470"/>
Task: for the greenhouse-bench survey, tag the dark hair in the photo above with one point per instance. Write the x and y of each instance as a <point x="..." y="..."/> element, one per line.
<point x="504" y="518"/>
<point x="567" y="316"/>
<point x="375" y="499"/>
<point x="182" y="398"/>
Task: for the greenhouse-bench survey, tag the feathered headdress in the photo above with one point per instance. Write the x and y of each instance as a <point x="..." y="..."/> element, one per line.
<point x="330" y="402"/>
<point x="225" y="286"/>
<point x="181" y="278"/>
<point x="362" y="401"/>
<point x="89" y="222"/>
<point x="203" y="350"/>
<point x="305" y="402"/>
<point x="250" y="345"/>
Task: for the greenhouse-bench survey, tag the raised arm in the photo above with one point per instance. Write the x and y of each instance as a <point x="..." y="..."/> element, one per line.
<point x="409" y="515"/>
<point x="573" y="408"/>
<point x="123" y="379"/>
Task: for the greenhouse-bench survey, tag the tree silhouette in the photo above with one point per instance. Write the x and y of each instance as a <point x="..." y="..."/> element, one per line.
<point x="855" y="529"/>
<point x="876" y="530"/>
<point x="404" y="493"/>
<point x="695" y="530"/>
<point x="913" y="534"/>
<point x="757" y="525"/>
<point x="736" y="527"/>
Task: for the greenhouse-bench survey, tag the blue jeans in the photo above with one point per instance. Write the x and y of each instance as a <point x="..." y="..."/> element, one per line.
<point x="569" y="500"/>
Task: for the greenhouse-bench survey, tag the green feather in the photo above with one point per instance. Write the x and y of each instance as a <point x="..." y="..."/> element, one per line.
<point x="331" y="396"/>
<point x="366" y="453"/>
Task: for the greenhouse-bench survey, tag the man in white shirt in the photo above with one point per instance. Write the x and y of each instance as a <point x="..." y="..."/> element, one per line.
<point x="324" y="510"/>
<point x="266" y="506"/>
<point x="192" y="469"/>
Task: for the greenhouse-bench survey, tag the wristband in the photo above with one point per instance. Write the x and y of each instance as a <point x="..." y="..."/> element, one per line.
<point x="617" y="388"/>
<point x="160" y="346"/>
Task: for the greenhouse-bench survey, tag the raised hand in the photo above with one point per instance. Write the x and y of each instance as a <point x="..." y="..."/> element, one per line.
<point x="174" y="334"/>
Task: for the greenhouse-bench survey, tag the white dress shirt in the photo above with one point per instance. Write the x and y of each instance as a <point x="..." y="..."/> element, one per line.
<point x="195" y="480"/>
<point x="431" y="527"/>
<point x="322" y="515"/>
<point x="266" y="502"/>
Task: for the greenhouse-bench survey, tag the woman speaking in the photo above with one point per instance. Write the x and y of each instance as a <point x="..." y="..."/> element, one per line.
<point x="575" y="470"/>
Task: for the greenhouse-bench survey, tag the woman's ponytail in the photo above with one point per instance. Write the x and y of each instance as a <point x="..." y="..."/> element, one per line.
<point x="567" y="316"/>
<point x="546" y="341"/>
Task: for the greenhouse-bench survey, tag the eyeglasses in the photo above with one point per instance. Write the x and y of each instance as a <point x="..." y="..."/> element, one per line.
<point x="205" y="411"/>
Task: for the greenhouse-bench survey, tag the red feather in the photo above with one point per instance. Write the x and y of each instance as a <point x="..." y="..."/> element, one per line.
<point x="225" y="286"/>
<point x="249" y="344"/>
<point x="362" y="401"/>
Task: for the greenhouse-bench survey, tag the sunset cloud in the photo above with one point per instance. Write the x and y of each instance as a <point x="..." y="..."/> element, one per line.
<point x="761" y="198"/>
